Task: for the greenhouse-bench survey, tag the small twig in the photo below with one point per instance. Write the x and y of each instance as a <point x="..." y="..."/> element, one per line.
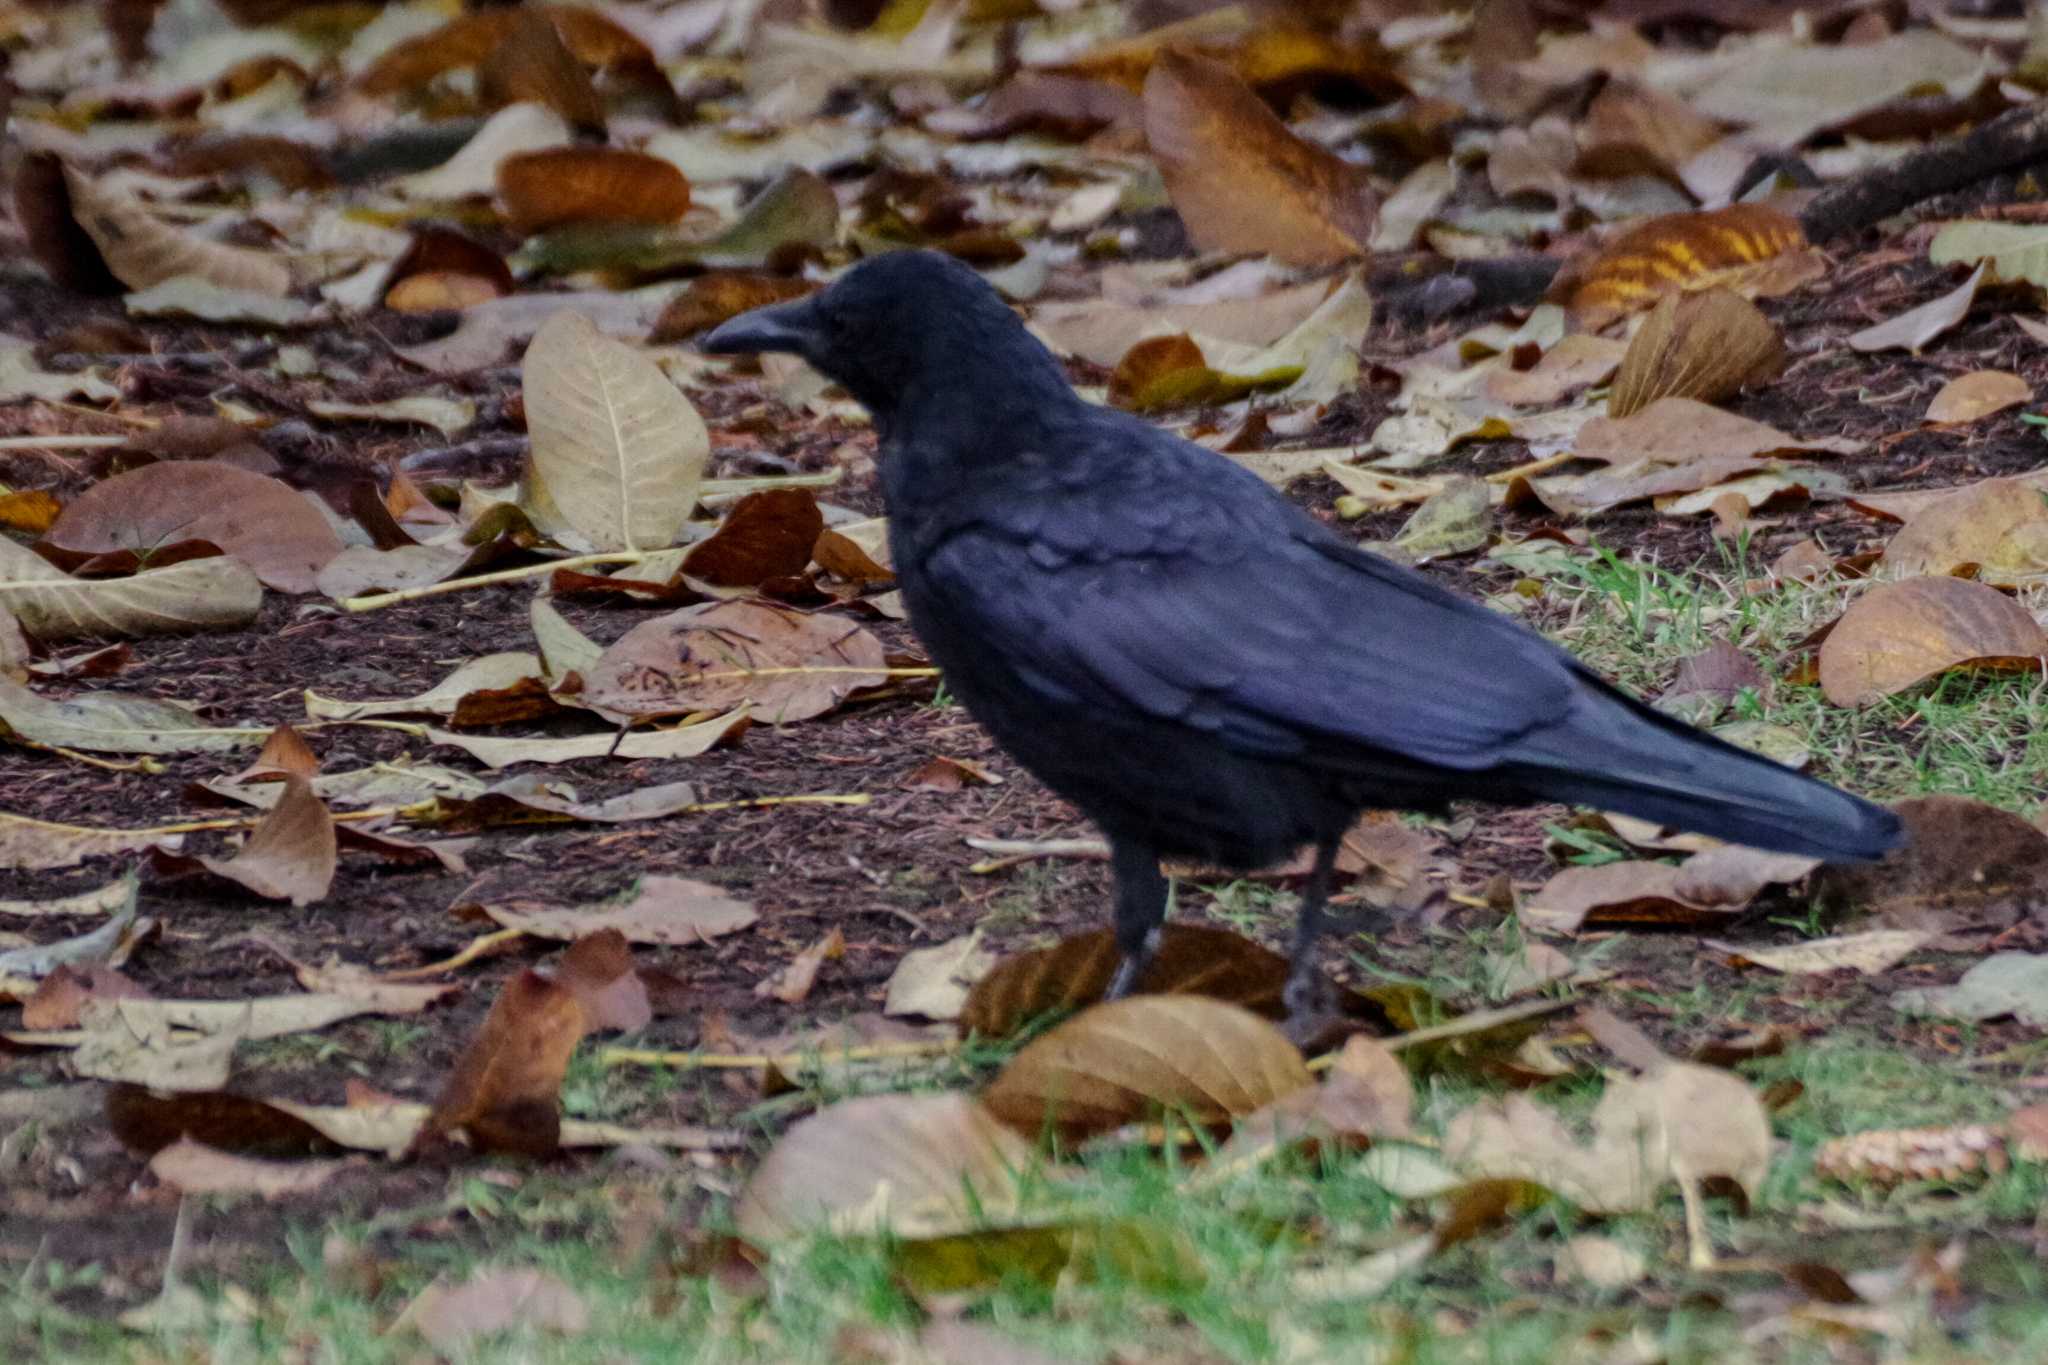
<point x="144" y="764"/>
<point x="1542" y="466"/>
<point x="783" y="1061"/>
<point x="471" y="951"/>
<point x="374" y="600"/>
<point x="1010" y="852"/>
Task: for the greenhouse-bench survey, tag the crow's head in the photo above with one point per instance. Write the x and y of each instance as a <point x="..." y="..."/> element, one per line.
<point x="898" y="328"/>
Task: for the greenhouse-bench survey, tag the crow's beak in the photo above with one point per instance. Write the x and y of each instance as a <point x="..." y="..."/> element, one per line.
<point x="793" y="326"/>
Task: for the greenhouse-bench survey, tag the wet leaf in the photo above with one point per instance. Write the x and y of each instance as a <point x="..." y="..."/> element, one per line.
<point x="1118" y="1062"/>
<point x="786" y="665"/>
<point x="194" y="594"/>
<point x="1900" y="634"/>
<point x="1915" y="327"/>
<point x="908" y="1165"/>
<point x="1703" y="345"/>
<point x="618" y="452"/>
<point x="267" y="525"/>
<point x="1241" y="179"/>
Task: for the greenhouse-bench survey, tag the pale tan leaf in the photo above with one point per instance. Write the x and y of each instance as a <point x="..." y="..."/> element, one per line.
<point x="563" y="648"/>
<point x="1968" y="397"/>
<point x="909" y="1165"/>
<point x="792" y="985"/>
<point x="114" y="722"/>
<point x="1999" y="525"/>
<point x="449" y="416"/>
<point x="1579" y="361"/>
<point x="22" y="377"/>
<point x="195" y="1168"/>
<point x="2015" y="252"/>
<point x="1870" y="952"/>
<point x="143" y="250"/>
<point x="291" y="855"/>
<point x="492" y="672"/>
<point x="472" y="173"/>
<point x="676" y="741"/>
<point x="618" y="451"/>
<point x="1704" y="345"/>
<point x="658" y="909"/>
<point x="194" y="594"/>
<point x="454" y="1319"/>
<point x="39" y="844"/>
<point x="933" y="982"/>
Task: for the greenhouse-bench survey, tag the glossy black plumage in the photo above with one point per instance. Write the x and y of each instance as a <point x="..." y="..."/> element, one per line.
<point x="1202" y="668"/>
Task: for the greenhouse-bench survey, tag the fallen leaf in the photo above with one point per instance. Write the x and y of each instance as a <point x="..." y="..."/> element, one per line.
<point x="290" y="856"/>
<point x="505" y="1088"/>
<point x="1963" y="863"/>
<point x="265" y="524"/>
<point x="1785" y="92"/>
<point x="1191" y="959"/>
<point x="22" y="378"/>
<point x="598" y="970"/>
<point x="1915" y="327"/>
<point x="792" y="985"/>
<point x="193" y="594"/>
<point x="1891" y="1156"/>
<point x="192" y="298"/>
<point x="2014" y="984"/>
<point x="1241" y="179"/>
<point x="1707" y="887"/>
<point x="2000" y="526"/>
<point x="1978" y="394"/>
<point x="60" y="999"/>
<point x="1600" y="1261"/>
<point x="1366" y="1095"/>
<point x="1752" y="249"/>
<point x="491" y="1301"/>
<point x="618" y="452"/>
<point x="547" y="188"/>
<point x="786" y="665"/>
<point x="490" y="673"/>
<point x="112" y="722"/>
<point x="933" y="983"/>
<point x="1704" y="345"/>
<point x="142" y="249"/>
<point x="134" y="1040"/>
<point x="1870" y="952"/>
<point x="1899" y="634"/>
<point x="657" y="909"/>
<point x="193" y="1168"/>
<point x="1117" y="1062"/>
<point x="907" y="1165"/>
<point x="449" y="416"/>
<point x="676" y="741"/>
<point x="32" y="845"/>
<point x="1579" y="361"/>
<point x="765" y="535"/>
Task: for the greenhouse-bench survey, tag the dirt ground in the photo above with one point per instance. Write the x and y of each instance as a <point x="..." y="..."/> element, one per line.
<point x="892" y="875"/>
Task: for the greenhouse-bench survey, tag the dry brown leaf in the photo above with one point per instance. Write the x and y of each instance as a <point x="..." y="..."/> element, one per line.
<point x="31" y="845"/>
<point x="1192" y="959"/>
<point x="1870" y="952"/>
<point x="1241" y="179"/>
<point x="142" y="250"/>
<point x="1118" y="1062"/>
<point x="784" y="664"/>
<point x="290" y="856"/>
<point x="1963" y="864"/>
<point x="61" y="997"/>
<point x="1707" y="887"/>
<point x="506" y="1086"/>
<point x="1915" y="327"/>
<point x="1753" y="249"/>
<point x="911" y="1165"/>
<point x="766" y="535"/>
<point x="1900" y="634"/>
<point x="1704" y="345"/>
<point x="1678" y="430"/>
<point x="792" y="985"/>
<point x="658" y="909"/>
<point x="546" y="189"/>
<point x="267" y="525"/>
<point x="531" y="64"/>
<point x="411" y="66"/>
<point x="1978" y="394"/>
<point x="933" y="983"/>
<point x="598" y="970"/>
<point x="1998" y="528"/>
<point x="1366" y="1095"/>
<point x="618" y="452"/>
<point x="719" y="296"/>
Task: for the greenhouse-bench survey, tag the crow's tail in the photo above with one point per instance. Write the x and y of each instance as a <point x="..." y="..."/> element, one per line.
<point x="1617" y="754"/>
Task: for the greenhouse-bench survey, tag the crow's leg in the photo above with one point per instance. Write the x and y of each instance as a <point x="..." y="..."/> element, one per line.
<point x="1141" y="890"/>
<point x="1304" y="993"/>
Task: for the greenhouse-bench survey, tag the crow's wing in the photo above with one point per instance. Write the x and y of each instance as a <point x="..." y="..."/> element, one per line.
<point x="1177" y="586"/>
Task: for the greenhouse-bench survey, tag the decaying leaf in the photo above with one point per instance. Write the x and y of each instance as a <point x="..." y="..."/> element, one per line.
<point x="505" y="1088"/>
<point x="792" y="985"/>
<point x="142" y="249"/>
<point x="1899" y="634"/>
<point x="291" y="855"/>
<point x="784" y="664"/>
<point x="1117" y="1062"/>
<point x="1708" y="886"/>
<point x="1870" y="952"/>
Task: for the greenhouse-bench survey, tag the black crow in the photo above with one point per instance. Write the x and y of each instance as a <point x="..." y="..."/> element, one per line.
<point x="1206" y="671"/>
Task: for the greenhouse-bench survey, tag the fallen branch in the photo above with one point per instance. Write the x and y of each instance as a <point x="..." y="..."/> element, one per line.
<point x="372" y="601"/>
<point x="2011" y="140"/>
<point x="782" y="1061"/>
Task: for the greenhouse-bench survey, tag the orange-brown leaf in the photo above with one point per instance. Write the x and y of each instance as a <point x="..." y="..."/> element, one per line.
<point x="766" y="535"/>
<point x="1753" y="249"/>
<point x="558" y="185"/>
<point x="506" y="1086"/>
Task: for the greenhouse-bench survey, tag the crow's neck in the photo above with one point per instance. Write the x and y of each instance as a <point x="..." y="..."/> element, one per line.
<point x="975" y="411"/>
